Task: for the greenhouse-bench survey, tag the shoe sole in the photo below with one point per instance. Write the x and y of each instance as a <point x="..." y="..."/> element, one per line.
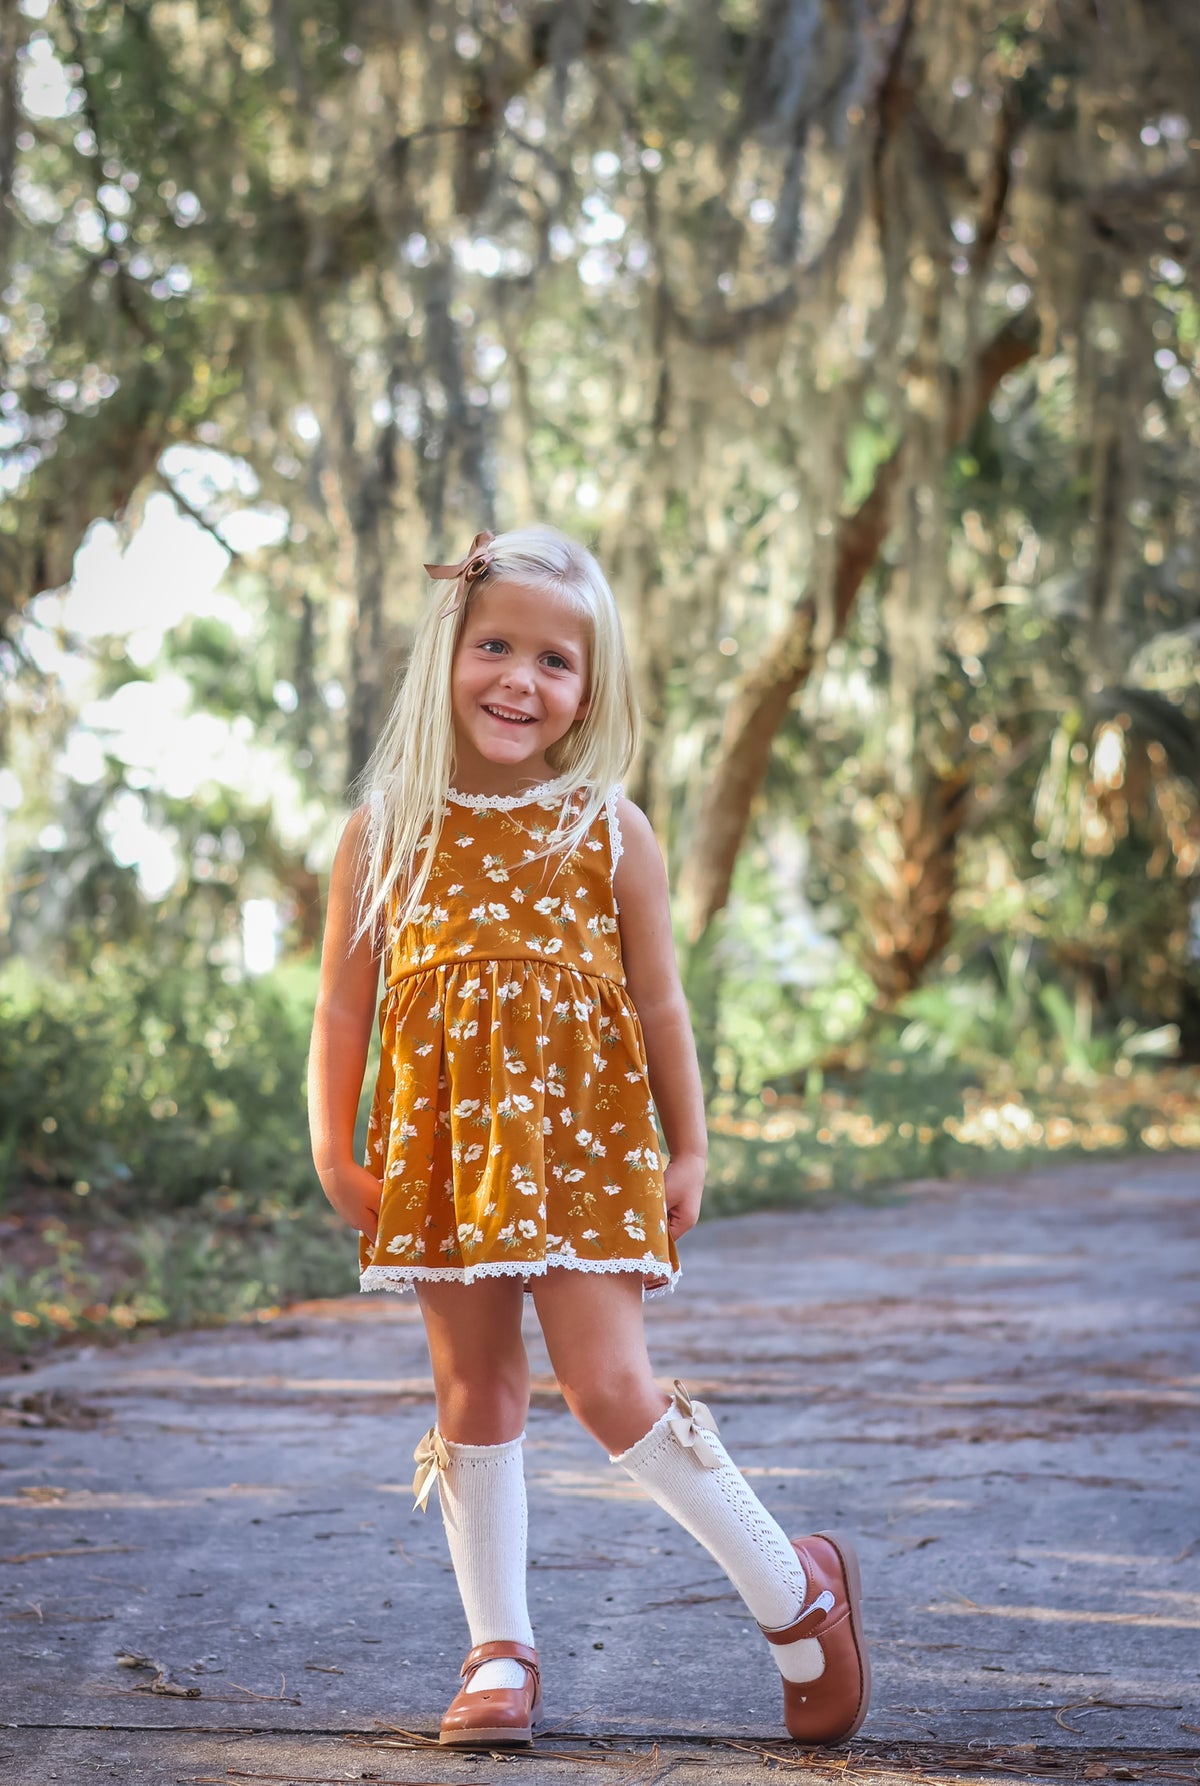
<point x="487" y="1738"/>
<point x="484" y="1739"/>
<point x="849" y="1557"/>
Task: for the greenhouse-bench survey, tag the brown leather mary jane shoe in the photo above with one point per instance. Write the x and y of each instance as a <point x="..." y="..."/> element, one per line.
<point x="831" y="1708"/>
<point x="495" y="1714"/>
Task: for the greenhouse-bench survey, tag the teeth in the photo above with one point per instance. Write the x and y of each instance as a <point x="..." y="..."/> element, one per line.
<point x="507" y="713"/>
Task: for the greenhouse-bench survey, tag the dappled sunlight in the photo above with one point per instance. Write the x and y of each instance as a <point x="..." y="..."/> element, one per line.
<point x="1058" y="1615"/>
<point x="1099" y="1559"/>
<point x="47" y="1498"/>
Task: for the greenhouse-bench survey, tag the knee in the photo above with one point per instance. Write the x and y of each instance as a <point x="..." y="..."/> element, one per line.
<point x="484" y="1408"/>
<point x="617" y="1408"/>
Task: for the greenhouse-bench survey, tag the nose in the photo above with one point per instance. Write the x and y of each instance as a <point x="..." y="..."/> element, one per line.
<point x="518" y="673"/>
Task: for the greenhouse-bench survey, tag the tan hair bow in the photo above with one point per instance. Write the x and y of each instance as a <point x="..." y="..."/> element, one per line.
<point x="468" y="570"/>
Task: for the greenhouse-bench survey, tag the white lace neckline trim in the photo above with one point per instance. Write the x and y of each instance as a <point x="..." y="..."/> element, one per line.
<point x="546" y="790"/>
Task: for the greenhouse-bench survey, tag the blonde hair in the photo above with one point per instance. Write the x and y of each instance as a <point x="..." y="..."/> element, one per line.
<point x="408" y="776"/>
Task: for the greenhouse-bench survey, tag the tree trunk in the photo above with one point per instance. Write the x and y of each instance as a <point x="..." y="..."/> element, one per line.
<point x="760" y="702"/>
<point x="907" y="876"/>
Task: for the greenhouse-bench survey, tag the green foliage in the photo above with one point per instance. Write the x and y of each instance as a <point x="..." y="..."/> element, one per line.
<point x="225" y="1258"/>
<point x="161" y="1084"/>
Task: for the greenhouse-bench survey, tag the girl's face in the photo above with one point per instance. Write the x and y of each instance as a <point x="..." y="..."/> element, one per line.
<point x="518" y="685"/>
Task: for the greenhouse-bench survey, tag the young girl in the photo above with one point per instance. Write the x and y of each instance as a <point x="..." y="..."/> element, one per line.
<point x="532" y="1025"/>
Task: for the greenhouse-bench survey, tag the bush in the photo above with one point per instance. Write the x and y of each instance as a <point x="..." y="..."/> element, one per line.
<point x="153" y="1085"/>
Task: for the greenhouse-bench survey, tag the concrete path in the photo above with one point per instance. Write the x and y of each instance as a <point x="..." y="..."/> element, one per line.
<point x="994" y="1388"/>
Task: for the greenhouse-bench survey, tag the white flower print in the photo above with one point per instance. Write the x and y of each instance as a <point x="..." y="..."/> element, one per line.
<point x="456" y="888"/>
<point x="497" y="911"/>
<point x="469" y="1234"/>
<point x="467" y="1107"/>
<point x="547" y="906"/>
<point x="478" y="914"/>
<point x="401" y="1243"/>
<point x="513" y="1104"/>
<point x="582" y="1010"/>
<point x="527" y="1230"/>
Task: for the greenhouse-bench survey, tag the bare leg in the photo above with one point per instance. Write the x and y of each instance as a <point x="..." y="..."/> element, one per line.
<point x="597" y="1344"/>
<point x="480" y="1370"/>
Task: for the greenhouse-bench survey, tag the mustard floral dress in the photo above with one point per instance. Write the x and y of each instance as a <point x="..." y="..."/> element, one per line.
<point x="512" y="1127"/>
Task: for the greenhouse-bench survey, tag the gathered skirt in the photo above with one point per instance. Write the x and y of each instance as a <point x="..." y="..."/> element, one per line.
<point x="512" y="1129"/>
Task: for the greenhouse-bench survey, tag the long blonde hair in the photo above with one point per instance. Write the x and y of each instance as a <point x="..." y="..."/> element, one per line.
<point x="408" y="777"/>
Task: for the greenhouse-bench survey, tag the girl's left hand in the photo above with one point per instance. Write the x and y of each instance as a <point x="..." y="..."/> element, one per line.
<point x="683" y="1182"/>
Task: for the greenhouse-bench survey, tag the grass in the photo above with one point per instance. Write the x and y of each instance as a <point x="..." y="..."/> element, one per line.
<point x="94" y="1273"/>
<point x="895" y="1126"/>
<point x="78" y="1268"/>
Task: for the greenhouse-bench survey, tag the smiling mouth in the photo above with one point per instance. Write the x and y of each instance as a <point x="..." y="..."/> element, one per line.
<point x="509" y="715"/>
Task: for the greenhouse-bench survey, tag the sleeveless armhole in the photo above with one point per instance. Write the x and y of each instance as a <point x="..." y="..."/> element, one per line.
<point x="616" y="844"/>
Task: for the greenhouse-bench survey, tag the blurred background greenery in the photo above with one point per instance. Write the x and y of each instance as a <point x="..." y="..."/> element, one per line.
<point x="858" y="338"/>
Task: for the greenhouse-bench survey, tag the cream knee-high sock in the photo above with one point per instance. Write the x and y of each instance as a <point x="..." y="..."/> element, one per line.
<point x="684" y="1467"/>
<point x="482" y="1496"/>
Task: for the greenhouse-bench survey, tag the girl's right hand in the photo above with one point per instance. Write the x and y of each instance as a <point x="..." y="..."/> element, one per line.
<point x="356" y="1196"/>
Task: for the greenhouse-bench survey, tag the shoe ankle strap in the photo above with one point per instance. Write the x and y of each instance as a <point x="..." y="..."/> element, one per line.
<point x="808" y="1624"/>
<point x="501" y="1650"/>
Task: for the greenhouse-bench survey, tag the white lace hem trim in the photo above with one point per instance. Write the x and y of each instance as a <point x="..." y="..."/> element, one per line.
<point x="546" y="790"/>
<point x="402" y="1277"/>
<point x="614" y="825"/>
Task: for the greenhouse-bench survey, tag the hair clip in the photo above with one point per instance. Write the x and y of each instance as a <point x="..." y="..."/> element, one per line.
<point x="468" y="570"/>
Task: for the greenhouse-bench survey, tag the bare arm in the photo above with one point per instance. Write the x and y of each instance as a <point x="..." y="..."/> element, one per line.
<point x="652" y="976"/>
<point x="340" y="1039"/>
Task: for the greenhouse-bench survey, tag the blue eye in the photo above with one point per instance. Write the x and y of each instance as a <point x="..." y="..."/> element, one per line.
<point x="555" y="662"/>
<point x="493" y="645"/>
